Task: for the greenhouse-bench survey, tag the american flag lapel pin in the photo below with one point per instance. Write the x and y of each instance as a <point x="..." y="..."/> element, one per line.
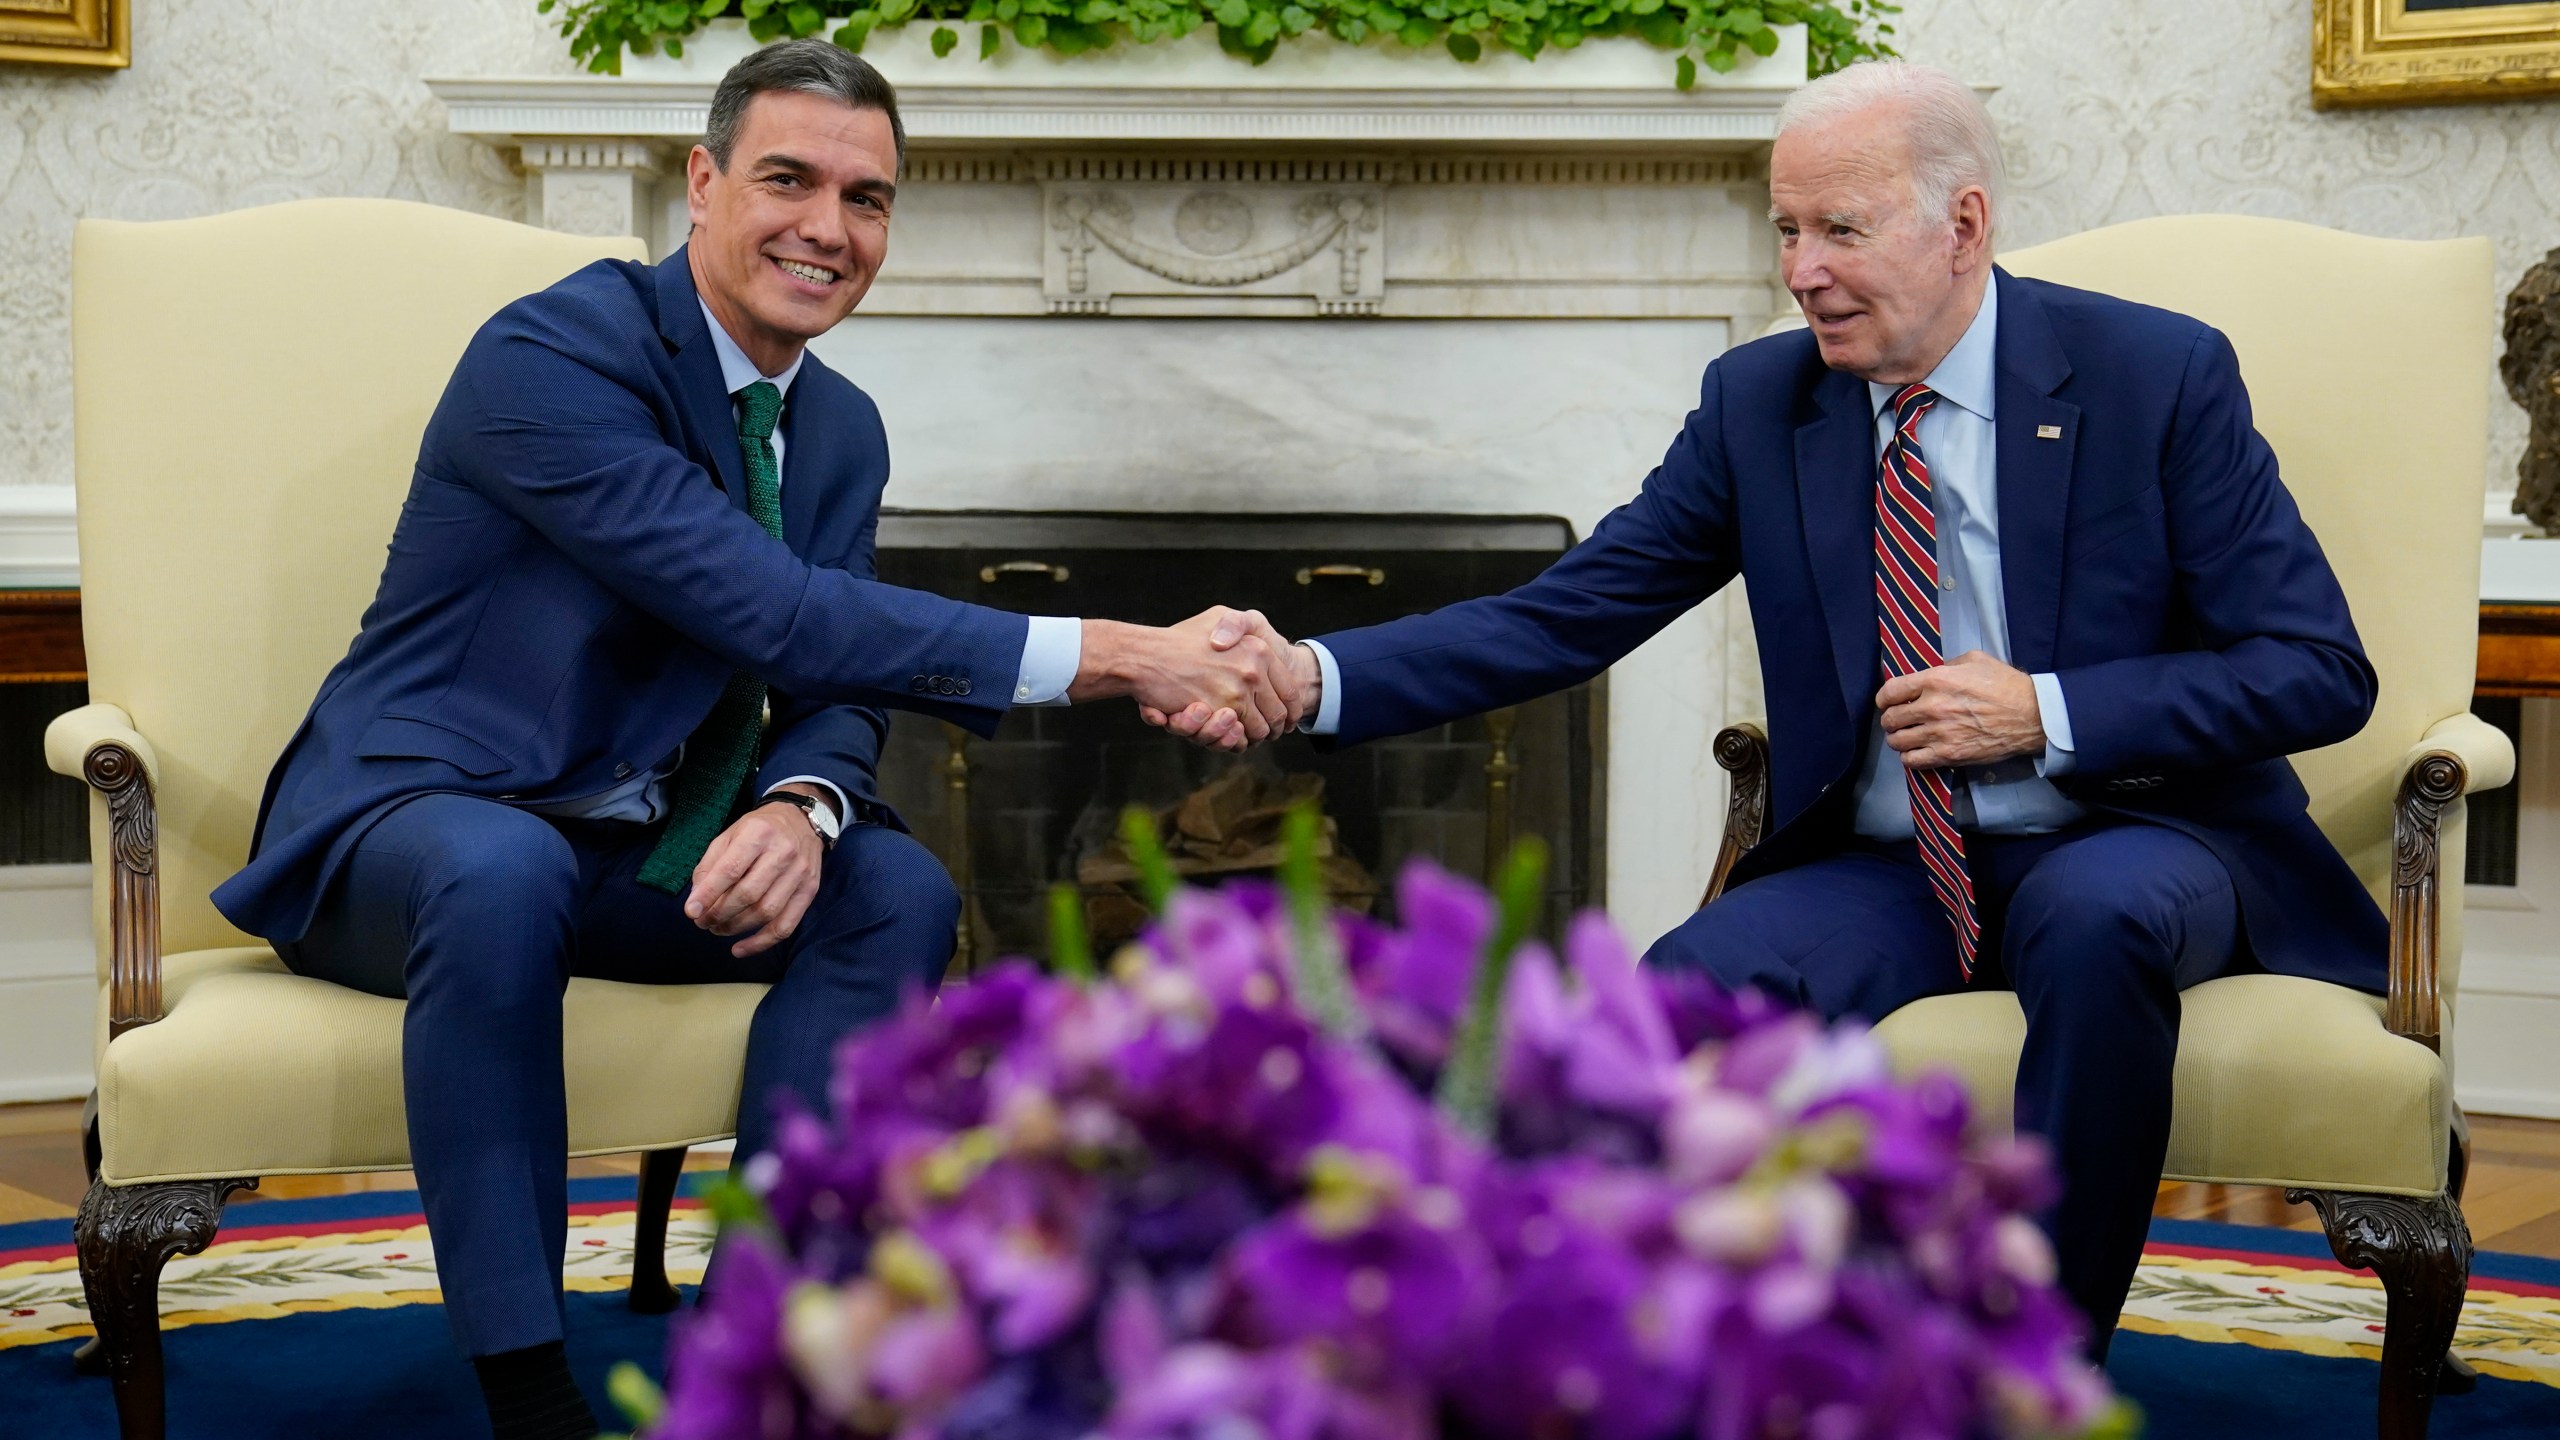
<point x="2048" y="432"/>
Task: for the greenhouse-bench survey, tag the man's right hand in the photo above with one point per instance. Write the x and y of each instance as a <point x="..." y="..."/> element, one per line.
<point x="1244" y="691"/>
<point x="1200" y="725"/>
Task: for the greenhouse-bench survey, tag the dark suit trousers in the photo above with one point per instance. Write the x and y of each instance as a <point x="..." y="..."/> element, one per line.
<point x="2097" y="928"/>
<point x="478" y="913"/>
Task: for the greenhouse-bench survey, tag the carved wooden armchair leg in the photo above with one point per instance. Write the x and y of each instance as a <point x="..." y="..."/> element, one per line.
<point x="125" y="1234"/>
<point x="2421" y="1251"/>
<point x="659" y="1171"/>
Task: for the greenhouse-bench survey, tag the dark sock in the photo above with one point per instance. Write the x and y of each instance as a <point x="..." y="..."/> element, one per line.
<point x="531" y="1396"/>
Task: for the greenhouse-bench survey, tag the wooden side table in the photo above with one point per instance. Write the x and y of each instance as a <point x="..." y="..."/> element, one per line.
<point x="2520" y="650"/>
<point x="40" y="637"/>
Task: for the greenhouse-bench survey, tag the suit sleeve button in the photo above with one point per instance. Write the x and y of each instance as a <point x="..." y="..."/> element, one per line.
<point x="622" y="771"/>
<point x="918" y="685"/>
<point x="963" y="688"/>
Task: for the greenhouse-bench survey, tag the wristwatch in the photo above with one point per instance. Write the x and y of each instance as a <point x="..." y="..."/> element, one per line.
<point x="822" y="816"/>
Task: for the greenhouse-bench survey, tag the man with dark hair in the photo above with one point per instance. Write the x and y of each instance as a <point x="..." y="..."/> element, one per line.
<point x="547" y="751"/>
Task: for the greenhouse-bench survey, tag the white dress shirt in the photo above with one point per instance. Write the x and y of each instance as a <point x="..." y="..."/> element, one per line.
<point x="1051" y="652"/>
<point x="2013" y="798"/>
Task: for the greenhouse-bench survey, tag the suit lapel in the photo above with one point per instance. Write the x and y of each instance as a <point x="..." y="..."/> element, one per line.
<point x="2037" y="438"/>
<point x="698" y="384"/>
<point x="1835" y="487"/>
<point x="808" y="458"/>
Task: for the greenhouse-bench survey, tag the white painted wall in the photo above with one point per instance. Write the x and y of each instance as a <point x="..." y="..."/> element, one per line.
<point x="48" y="985"/>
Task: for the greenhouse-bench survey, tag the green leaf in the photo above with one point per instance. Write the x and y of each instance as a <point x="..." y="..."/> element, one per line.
<point x="1231" y="13"/>
<point x="945" y="40"/>
<point x="1070" y="948"/>
<point x="676" y="48"/>
<point x="1743" y="21"/>
<point x="1296" y="19"/>
<point x="853" y="32"/>
<point x="709" y="9"/>
<point x="1686" y="77"/>
<point x="1465" y="47"/>
<point x="1156" y="881"/>
<point x="989" y="40"/>
<point x="1722" y="59"/>
<point x="732" y="1203"/>
<point x="635" y="1394"/>
<point x="1415" y="32"/>
<point x="805" y="18"/>
<point x="896" y="12"/>
<point x="1762" y="41"/>
<point x="1261" y="30"/>
<point x="1467" y="1085"/>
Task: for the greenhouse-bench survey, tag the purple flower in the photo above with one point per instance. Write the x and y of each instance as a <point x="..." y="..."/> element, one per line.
<point x="1391" y="1292"/>
<point x="1169" y="1205"/>
<point x="727" y="1376"/>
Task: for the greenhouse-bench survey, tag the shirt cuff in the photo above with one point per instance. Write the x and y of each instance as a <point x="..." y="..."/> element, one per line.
<point x="2058" y="759"/>
<point x="1052" y="651"/>
<point x="1328" y="704"/>
<point x="844" y="807"/>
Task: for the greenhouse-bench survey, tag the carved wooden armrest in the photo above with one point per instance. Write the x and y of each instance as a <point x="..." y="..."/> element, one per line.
<point x="98" y="744"/>
<point x="2460" y="756"/>
<point x="1743" y="750"/>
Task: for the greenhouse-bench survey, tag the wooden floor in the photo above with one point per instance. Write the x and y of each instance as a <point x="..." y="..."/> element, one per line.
<point x="2513" y="1200"/>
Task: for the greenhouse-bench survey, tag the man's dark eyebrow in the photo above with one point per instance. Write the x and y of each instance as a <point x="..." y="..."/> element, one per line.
<point x="886" y="192"/>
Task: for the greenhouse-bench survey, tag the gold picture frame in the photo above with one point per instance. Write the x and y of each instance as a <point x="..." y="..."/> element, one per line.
<point x="95" y="33"/>
<point x="2427" y="52"/>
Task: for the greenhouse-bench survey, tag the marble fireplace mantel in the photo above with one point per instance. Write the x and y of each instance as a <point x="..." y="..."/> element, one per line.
<point x="1440" y="289"/>
<point x="1173" y="179"/>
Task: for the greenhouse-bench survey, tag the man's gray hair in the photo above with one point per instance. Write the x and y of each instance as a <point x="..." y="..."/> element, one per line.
<point x="1953" y="143"/>
<point x="811" y="67"/>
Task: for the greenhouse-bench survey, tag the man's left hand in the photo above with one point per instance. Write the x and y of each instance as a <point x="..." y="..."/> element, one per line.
<point x="1973" y="710"/>
<point x="758" y="877"/>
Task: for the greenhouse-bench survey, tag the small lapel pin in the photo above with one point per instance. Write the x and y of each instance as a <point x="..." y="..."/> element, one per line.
<point x="2048" y="432"/>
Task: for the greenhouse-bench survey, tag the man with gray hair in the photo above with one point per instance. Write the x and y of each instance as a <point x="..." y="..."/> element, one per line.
<point x="2038" y="624"/>
<point x="641" y="524"/>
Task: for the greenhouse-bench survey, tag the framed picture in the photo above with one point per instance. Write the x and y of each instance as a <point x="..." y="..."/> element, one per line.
<point x="67" y="32"/>
<point x="2412" y="52"/>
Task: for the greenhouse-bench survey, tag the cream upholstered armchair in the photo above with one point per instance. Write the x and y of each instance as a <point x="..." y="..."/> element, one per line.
<point x="2368" y="364"/>
<point x="249" y="393"/>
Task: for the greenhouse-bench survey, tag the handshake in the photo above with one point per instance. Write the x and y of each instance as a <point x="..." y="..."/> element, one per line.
<point x="1222" y="679"/>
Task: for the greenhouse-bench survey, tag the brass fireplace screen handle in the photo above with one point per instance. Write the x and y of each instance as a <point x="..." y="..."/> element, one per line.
<point x="1310" y="575"/>
<point x="989" y="574"/>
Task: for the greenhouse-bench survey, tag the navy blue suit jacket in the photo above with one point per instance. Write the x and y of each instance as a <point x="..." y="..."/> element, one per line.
<point x="574" y="577"/>
<point x="2151" y="557"/>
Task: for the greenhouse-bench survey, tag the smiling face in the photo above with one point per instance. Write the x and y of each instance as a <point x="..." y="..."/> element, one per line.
<point x="787" y="237"/>
<point x="1887" y="289"/>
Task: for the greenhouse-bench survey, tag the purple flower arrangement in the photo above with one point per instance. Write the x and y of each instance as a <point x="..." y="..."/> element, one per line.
<point x="1280" y="1173"/>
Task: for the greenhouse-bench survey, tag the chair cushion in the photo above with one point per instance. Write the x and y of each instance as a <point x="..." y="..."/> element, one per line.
<point x="2280" y="1081"/>
<point x="254" y="1070"/>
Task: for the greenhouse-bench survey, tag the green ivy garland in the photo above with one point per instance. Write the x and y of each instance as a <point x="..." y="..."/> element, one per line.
<point x="1713" y="33"/>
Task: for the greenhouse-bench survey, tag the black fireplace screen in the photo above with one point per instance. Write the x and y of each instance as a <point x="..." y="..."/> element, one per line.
<point x="1040" y="802"/>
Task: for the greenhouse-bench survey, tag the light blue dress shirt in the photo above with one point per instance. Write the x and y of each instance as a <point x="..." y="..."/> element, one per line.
<point x="1051" y="652"/>
<point x="2012" y="798"/>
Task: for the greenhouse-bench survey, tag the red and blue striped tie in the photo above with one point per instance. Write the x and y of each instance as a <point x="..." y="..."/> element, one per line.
<point x="1907" y="619"/>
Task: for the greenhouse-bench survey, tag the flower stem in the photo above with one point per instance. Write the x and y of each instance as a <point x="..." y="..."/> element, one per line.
<point x="1070" y="948"/>
<point x="1156" y="882"/>
<point x="1467" y="1086"/>
<point x="1316" y="971"/>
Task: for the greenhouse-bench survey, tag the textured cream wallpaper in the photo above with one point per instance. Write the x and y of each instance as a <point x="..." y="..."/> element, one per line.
<point x="2112" y="111"/>
<point x="229" y="103"/>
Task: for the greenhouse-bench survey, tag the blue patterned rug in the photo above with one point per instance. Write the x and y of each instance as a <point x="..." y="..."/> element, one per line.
<point x="321" y="1318"/>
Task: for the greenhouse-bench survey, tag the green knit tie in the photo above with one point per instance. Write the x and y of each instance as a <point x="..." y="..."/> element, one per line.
<point x="722" y="753"/>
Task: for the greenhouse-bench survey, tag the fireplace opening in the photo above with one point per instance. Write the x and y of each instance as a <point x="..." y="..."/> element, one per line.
<point x="1040" y="802"/>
